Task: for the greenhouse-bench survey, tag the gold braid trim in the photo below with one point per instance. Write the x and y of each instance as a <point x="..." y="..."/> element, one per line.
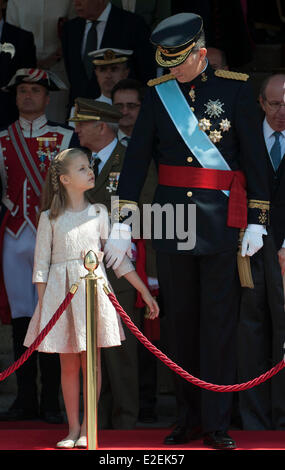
<point x="256" y="204"/>
<point x="233" y="75"/>
<point x="158" y="80"/>
<point x="121" y="207"/>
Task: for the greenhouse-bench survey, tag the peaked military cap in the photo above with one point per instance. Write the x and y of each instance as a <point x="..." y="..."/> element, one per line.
<point x="41" y="77"/>
<point x="109" y="56"/>
<point x="175" y="37"/>
<point x="92" y="110"/>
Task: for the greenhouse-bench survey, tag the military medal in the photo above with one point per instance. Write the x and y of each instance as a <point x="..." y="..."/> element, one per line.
<point x="214" y="108"/>
<point x="46" y="151"/>
<point x="192" y="93"/>
<point x="204" y="77"/>
<point x="113" y="181"/>
<point x="215" y="136"/>
<point x="225" y="125"/>
<point x="204" y="124"/>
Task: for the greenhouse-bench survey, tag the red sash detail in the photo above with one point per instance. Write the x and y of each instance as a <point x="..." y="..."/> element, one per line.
<point x="151" y="327"/>
<point x="205" y="178"/>
<point x="26" y="159"/>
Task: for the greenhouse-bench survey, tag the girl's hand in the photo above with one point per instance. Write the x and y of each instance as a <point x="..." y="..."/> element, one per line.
<point x="153" y="308"/>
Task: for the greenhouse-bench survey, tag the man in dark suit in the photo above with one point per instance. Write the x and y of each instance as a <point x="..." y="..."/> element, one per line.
<point x="203" y="124"/>
<point x="262" y="318"/>
<point x="17" y="51"/>
<point x="99" y="25"/>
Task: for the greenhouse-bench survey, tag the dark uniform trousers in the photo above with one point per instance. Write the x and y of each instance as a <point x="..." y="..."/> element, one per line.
<point x="211" y="306"/>
<point x="261" y="336"/>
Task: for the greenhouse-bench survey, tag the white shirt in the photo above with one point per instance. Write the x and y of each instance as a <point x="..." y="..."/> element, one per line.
<point x="105" y="153"/>
<point x="270" y="139"/>
<point x="121" y="137"/>
<point x="100" y="28"/>
<point x="41" y="18"/>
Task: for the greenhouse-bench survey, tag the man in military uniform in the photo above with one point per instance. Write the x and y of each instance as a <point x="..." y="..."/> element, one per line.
<point x="110" y="66"/>
<point x="209" y="147"/>
<point x="97" y="126"/>
<point x="26" y="148"/>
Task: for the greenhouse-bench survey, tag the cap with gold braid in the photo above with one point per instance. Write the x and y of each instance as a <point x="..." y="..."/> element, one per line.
<point x="93" y="110"/>
<point x="175" y="37"/>
<point x="110" y="56"/>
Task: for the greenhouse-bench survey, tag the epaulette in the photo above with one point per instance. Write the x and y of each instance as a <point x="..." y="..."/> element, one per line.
<point x="233" y="75"/>
<point x="163" y="78"/>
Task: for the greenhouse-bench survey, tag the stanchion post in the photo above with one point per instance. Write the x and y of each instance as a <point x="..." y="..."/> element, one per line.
<point x="91" y="263"/>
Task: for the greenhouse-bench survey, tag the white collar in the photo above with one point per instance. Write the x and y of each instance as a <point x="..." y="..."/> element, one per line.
<point x="104" y="99"/>
<point x="104" y="15"/>
<point x="32" y="126"/>
<point x="105" y="153"/>
<point x="268" y="131"/>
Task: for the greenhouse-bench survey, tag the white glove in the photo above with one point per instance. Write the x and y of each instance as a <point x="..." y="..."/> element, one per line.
<point x="117" y="245"/>
<point x="252" y="240"/>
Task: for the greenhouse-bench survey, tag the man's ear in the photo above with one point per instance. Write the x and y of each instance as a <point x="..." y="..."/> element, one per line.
<point x="261" y="102"/>
<point x="203" y="52"/>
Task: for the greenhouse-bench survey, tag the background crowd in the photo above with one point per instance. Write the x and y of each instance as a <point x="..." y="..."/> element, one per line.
<point x="58" y="37"/>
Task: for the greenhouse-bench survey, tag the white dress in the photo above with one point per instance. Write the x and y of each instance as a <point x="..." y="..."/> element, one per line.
<point x="59" y="256"/>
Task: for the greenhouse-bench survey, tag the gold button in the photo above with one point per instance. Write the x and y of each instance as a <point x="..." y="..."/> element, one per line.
<point x="189" y="159"/>
<point x="189" y="194"/>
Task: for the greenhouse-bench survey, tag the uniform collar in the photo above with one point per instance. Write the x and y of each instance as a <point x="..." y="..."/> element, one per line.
<point x="206" y="74"/>
<point x="31" y="127"/>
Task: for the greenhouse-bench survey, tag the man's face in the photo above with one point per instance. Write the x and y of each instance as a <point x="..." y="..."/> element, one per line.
<point x="272" y="103"/>
<point x="190" y="68"/>
<point x="86" y="131"/>
<point x="31" y="98"/>
<point x="89" y="9"/>
<point x="109" y="75"/>
<point x="127" y="101"/>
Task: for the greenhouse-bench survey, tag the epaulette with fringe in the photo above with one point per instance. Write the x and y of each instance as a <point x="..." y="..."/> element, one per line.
<point x="158" y="80"/>
<point x="232" y="75"/>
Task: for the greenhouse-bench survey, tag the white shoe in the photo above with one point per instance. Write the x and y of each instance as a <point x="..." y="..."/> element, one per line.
<point x="66" y="444"/>
<point x="81" y="442"/>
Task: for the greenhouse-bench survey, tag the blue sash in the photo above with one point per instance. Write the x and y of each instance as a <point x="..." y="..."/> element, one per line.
<point x="186" y="123"/>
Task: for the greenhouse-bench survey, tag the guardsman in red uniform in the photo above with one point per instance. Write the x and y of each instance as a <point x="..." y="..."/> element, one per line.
<point x="212" y="182"/>
<point x="26" y="149"/>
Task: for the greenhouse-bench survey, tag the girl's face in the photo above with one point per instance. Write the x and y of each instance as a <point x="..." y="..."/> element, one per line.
<point x="79" y="176"/>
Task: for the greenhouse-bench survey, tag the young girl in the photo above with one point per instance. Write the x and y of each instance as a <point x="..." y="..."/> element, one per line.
<point x="68" y="228"/>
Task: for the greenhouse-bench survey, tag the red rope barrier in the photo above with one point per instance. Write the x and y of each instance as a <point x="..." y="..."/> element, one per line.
<point x="38" y="340"/>
<point x="190" y="378"/>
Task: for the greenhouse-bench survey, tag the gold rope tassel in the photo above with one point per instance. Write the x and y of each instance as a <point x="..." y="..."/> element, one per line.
<point x="244" y="269"/>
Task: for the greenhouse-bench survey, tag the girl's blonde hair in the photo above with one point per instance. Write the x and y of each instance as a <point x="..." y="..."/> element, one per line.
<point x="54" y="194"/>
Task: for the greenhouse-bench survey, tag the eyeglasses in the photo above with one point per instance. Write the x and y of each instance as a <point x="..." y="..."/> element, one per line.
<point x="121" y="106"/>
<point x="275" y="105"/>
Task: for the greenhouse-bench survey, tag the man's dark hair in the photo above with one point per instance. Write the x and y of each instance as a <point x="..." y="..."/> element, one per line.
<point x="129" y="84"/>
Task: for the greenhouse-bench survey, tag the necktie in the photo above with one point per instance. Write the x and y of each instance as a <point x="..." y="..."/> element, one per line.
<point x="126" y="140"/>
<point x="275" y="151"/>
<point x="95" y="165"/>
<point x="91" y="45"/>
